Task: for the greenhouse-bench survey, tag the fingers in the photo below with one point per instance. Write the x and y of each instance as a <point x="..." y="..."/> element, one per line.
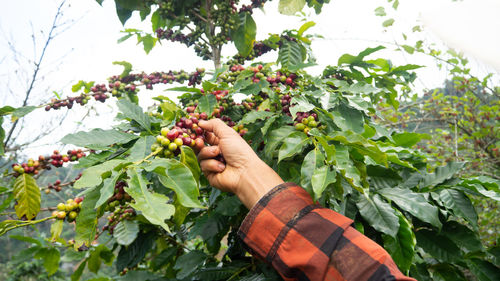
<point x="211" y="166"/>
<point x="208" y="152"/>
<point x="216" y="126"/>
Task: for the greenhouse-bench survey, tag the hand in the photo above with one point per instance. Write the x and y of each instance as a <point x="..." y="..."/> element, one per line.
<point x="244" y="173"/>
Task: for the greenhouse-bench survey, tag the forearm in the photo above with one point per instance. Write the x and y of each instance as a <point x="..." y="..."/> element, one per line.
<point x="302" y="239"/>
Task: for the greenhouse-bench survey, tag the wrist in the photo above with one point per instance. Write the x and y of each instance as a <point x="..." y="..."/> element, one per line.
<point x="256" y="182"/>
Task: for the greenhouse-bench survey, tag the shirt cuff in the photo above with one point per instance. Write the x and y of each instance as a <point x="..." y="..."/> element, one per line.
<point x="269" y="221"/>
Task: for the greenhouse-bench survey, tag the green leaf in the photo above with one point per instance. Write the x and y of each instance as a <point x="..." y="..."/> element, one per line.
<point x="206" y="104"/>
<point x="380" y="12"/>
<point x="148" y="41"/>
<point x="253" y="116"/>
<point x="98" y="139"/>
<point x="123" y="39"/>
<point x="125" y="232"/>
<point x="141" y="148"/>
<point x="2" y="137"/>
<point x="483" y="270"/>
<point x="438" y="246"/>
<point x="464" y="237"/>
<point x="56" y="230"/>
<point x="357" y="60"/>
<point x="127" y="66"/>
<point x="94" y="175"/>
<point x="51" y="257"/>
<point x="86" y="221"/>
<point x="345" y="165"/>
<point x="134" y="112"/>
<point x="6" y="110"/>
<point x="407" y="139"/>
<point x="460" y="204"/>
<point x="312" y="161"/>
<point x="402" y="247"/>
<point x="388" y="22"/>
<point x="131" y="255"/>
<point x="189" y="263"/>
<point x="27" y="195"/>
<point x="135" y="275"/>
<point x="442" y="174"/>
<point x="348" y="118"/>
<point x="176" y="176"/>
<point x="305" y="27"/>
<point x="301" y="105"/>
<point x="294" y="144"/>
<point x="228" y="206"/>
<point x="446" y="272"/>
<point x="189" y="159"/>
<point x="244" y="34"/>
<point x="290" y="7"/>
<point x="321" y="178"/>
<point x="362" y="145"/>
<point x="290" y="54"/>
<point x="21" y="112"/>
<point x="154" y="206"/>
<point x="275" y="137"/>
<point x="413" y="203"/>
<point x="79" y="271"/>
<point x="409" y="49"/>
<point x="157" y="21"/>
<point x="378" y="214"/>
<point x="123" y="13"/>
<point x="185" y="89"/>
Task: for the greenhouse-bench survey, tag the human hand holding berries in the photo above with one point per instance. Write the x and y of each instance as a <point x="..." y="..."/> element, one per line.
<point x="244" y="173"/>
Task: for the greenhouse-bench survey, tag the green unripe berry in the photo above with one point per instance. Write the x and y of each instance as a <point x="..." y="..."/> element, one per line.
<point x="299" y="126"/>
<point x="164" y="131"/>
<point x="61" y="215"/>
<point x="154" y="147"/>
<point x="178" y="142"/>
<point x="172" y="146"/>
<point x="165" y="142"/>
<point x="61" y="207"/>
<point x="167" y="153"/>
<point x="159" y="138"/>
<point x="313" y="124"/>
<point x="72" y="215"/>
<point x="305" y="121"/>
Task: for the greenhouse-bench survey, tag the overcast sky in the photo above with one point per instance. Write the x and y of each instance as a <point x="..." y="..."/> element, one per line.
<point x="89" y="47"/>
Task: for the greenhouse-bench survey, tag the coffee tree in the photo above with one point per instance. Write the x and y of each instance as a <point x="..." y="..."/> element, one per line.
<point x="146" y="212"/>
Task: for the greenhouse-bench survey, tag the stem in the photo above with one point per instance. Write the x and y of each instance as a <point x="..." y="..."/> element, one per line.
<point x="239" y="272"/>
<point x="24" y="223"/>
<point x="158" y="150"/>
<point x="215" y="49"/>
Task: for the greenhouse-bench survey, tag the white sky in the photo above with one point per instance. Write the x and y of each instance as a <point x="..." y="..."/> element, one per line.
<point x="348" y="26"/>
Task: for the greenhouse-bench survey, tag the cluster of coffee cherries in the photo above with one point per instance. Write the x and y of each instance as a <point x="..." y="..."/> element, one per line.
<point x="118" y="205"/>
<point x="259" y="48"/>
<point x="254" y="4"/>
<point x="43" y="162"/>
<point x="67" y="102"/>
<point x="306" y="121"/>
<point x="185" y="132"/>
<point x="68" y="210"/>
<point x="285" y="103"/>
<point x="282" y="78"/>
<point x="57" y="159"/>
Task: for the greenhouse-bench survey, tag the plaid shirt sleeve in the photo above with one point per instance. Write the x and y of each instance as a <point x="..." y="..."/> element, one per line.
<point x="304" y="241"/>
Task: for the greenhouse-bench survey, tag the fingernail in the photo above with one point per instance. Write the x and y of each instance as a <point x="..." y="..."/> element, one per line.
<point x="221" y="167"/>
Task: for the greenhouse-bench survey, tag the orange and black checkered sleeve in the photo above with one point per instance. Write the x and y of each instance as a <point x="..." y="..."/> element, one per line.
<point x="304" y="241"/>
